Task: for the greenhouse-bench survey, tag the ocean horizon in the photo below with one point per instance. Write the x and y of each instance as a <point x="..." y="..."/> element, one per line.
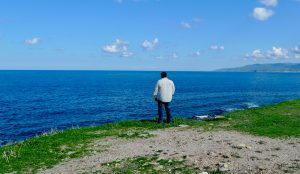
<point x="37" y="101"/>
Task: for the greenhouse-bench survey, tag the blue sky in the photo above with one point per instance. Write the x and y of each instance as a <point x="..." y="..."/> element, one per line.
<point x="147" y="34"/>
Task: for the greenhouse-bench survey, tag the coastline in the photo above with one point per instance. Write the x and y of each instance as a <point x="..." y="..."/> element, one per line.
<point x="268" y="123"/>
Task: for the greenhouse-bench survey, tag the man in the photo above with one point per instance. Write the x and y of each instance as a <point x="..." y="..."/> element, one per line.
<point x="164" y="90"/>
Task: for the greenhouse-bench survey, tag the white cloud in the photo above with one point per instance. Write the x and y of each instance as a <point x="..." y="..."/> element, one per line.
<point x="167" y="56"/>
<point x="269" y="2"/>
<point x="277" y="53"/>
<point x="217" y="47"/>
<point x="191" y="23"/>
<point x="262" y="14"/>
<point x="118" y="47"/>
<point x="197" y="19"/>
<point x="32" y="41"/>
<point x="256" y="54"/>
<point x="111" y="48"/>
<point x="274" y="53"/>
<point x="197" y="53"/>
<point x="185" y="25"/>
<point x="296" y="50"/>
<point x="125" y="52"/>
<point x="149" y="45"/>
<point x="174" y="56"/>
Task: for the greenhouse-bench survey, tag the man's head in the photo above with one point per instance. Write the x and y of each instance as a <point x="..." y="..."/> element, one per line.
<point x="163" y="74"/>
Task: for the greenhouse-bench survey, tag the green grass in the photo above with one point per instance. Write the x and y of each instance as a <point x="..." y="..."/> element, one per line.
<point x="280" y="120"/>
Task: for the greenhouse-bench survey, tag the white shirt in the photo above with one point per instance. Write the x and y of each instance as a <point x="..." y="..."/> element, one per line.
<point x="164" y="90"/>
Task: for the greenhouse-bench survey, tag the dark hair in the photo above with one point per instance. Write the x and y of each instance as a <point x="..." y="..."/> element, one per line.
<point x="163" y="74"/>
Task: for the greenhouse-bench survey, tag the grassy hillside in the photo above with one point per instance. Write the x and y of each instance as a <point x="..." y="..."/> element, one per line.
<point x="280" y="120"/>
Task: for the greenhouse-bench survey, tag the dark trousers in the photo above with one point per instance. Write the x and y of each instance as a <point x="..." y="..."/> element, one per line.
<point x="168" y="112"/>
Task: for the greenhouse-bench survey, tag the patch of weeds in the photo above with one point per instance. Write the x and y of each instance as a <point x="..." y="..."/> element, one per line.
<point x="147" y="164"/>
<point x="135" y="133"/>
<point x="150" y="164"/>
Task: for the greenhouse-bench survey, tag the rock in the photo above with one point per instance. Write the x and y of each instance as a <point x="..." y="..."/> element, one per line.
<point x="226" y="156"/>
<point x="240" y="146"/>
<point x="211" y="153"/>
<point x="261" y="168"/>
<point x="183" y="125"/>
<point x="253" y="158"/>
<point x="203" y="173"/>
<point x="201" y="117"/>
<point x="223" y="167"/>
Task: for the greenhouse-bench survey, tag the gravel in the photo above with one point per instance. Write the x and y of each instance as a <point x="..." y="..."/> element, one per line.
<point x="217" y="150"/>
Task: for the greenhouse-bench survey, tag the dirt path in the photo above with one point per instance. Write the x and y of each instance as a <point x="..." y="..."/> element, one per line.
<point x="236" y="152"/>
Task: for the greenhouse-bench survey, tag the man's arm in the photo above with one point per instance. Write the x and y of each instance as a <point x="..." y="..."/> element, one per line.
<point x="155" y="91"/>
<point x="173" y="87"/>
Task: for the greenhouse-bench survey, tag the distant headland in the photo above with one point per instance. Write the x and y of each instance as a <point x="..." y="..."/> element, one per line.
<point x="276" y="67"/>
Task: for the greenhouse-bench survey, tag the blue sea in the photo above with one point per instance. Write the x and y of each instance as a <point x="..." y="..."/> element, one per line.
<point x="34" y="102"/>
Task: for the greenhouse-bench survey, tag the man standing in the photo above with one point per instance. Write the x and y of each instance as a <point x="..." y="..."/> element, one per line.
<point x="164" y="90"/>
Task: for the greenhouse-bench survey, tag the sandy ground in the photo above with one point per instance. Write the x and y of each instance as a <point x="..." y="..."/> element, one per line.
<point x="236" y="152"/>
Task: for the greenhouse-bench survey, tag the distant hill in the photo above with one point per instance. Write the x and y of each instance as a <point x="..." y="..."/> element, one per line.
<point x="277" y="67"/>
